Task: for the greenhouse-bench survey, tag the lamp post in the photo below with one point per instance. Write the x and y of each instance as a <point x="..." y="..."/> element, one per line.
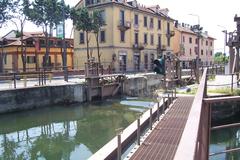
<point x="225" y="41"/>
<point x="198" y="28"/>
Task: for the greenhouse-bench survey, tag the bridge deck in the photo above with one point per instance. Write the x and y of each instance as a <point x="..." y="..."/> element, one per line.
<point x="163" y="141"/>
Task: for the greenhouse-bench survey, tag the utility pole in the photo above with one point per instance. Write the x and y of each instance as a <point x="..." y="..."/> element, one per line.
<point x="197" y="29"/>
<point x="65" y="68"/>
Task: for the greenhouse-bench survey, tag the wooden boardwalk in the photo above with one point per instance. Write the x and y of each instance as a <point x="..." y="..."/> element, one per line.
<point x="163" y="141"/>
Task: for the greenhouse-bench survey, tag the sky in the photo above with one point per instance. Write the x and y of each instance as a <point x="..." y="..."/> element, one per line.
<point x="212" y="14"/>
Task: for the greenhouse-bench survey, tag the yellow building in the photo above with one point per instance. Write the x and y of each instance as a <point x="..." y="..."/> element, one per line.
<point x="186" y="45"/>
<point x="34" y="49"/>
<point x="132" y="37"/>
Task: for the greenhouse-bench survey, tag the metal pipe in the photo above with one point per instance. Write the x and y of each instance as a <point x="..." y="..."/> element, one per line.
<point x="119" y="148"/>
<point x="232" y="84"/>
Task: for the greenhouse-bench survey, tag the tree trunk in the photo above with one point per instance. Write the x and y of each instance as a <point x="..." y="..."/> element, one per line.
<point x="99" y="56"/>
<point x="46" y="59"/>
<point x="23" y="53"/>
<point x="87" y="46"/>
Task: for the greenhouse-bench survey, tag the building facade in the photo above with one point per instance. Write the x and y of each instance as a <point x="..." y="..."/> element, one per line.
<point x="132" y="37"/>
<point x="186" y="45"/>
<point x="34" y="49"/>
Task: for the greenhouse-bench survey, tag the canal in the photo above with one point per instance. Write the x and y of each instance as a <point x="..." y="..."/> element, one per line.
<point x="227" y="138"/>
<point x="65" y="132"/>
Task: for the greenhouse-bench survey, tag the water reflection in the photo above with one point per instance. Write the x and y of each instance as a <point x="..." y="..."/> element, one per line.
<point x="63" y="132"/>
<point x="225" y="139"/>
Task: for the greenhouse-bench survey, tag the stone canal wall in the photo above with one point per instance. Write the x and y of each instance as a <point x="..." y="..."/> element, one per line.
<point x="142" y="85"/>
<point x="35" y="97"/>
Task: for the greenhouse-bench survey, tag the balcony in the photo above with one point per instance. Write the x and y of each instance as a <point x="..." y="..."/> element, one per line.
<point x="170" y="34"/>
<point x="138" y="47"/>
<point x="161" y="48"/>
<point x="124" y="25"/>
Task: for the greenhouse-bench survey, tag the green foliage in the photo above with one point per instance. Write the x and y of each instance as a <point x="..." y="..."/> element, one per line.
<point x="98" y="22"/>
<point x="82" y="19"/>
<point x="6" y="8"/>
<point x="219" y="57"/>
<point x="45" y="12"/>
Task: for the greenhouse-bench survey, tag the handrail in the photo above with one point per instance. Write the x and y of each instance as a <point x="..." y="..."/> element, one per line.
<point x="189" y="145"/>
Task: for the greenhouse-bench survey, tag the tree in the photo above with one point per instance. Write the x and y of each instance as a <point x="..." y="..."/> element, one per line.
<point x="47" y="14"/>
<point x="6" y="8"/>
<point x="98" y="22"/>
<point x="19" y="19"/>
<point x="219" y="57"/>
<point x="82" y="21"/>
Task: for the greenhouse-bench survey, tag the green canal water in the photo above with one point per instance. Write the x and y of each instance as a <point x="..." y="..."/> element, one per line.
<point x="65" y="132"/>
<point x="228" y="138"/>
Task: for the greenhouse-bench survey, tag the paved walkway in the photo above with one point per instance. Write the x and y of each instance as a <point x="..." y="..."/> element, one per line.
<point x="163" y="141"/>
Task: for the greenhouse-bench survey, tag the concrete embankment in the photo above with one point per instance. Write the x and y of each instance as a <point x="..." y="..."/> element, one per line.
<point x="36" y="97"/>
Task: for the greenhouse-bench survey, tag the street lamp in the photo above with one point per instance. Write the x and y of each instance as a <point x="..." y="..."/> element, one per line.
<point x="225" y="39"/>
<point x="198" y="28"/>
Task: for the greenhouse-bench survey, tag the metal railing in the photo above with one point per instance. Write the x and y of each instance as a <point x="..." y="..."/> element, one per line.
<point x="195" y="139"/>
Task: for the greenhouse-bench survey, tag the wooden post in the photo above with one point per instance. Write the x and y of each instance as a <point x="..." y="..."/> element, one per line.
<point x="138" y="131"/>
<point x="232" y="84"/>
<point x="14" y="80"/>
<point x="163" y="106"/>
<point x="119" y="148"/>
<point x="168" y="101"/>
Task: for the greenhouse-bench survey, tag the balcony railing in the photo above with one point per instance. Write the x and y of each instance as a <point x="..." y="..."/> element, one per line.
<point x="138" y="46"/>
<point x="124" y="25"/>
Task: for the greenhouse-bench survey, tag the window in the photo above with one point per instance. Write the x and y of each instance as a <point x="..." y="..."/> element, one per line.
<point x="5" y="59"/>
<point x="211" y="53"/>
<point x="196" y="41"/>
<point x="42" y="43"/>
<point x="151" y="23"/>
<point x="122" y="17"/>
<point x="159" y="40"/>
<point x="201" y="52"/>
<point x="183" y="39"/>
<point x="168" y="28"/>
<point x="103" y="16"/>
<point x="31" y="59"/>
<point x="82" y="39"/>
<point x="102" y="36"/>
<point x="146" y="61"/>
<point x="196" y="50"/>
<point x="122" y="36"/>
<point x="145" y="21"/>
<point x="168" y="41"/>
<point x="145" y="38"/>
<point x="206" y="43"/>
<point x="136" y="38"/>
<point x="211" y="44"/>
<point x="136" y="19"/>
<point x="152" y="39"/>
<point x="190" y="39"/>
<point x="159" y="24"/>
<point x="190" y="51"/>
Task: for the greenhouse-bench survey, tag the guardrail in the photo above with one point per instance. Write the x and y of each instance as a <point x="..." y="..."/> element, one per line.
<point x="194" y="143"/>
<point x="133" y="132"/>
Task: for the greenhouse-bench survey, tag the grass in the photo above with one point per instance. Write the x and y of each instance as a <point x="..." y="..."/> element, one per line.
<point x="236" y="92"/>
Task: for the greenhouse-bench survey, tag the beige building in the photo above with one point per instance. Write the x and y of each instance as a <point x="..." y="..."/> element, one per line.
<point x="186" y="45"/>
<point x="132" y="36"/>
